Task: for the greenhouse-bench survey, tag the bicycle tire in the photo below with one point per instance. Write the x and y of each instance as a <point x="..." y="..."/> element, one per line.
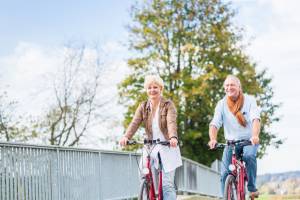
<point x="230" y="189"/>
<point x="144" y="191"/>
<point x="243" y="196"/>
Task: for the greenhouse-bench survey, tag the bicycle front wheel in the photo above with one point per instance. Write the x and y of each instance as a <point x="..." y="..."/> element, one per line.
<point x="144" y="191"/>
<point x="230" y="190"/>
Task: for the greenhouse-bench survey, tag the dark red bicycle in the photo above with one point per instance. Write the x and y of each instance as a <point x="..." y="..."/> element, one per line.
<point x="147" y="188"/>
<point x="237" y="178"/>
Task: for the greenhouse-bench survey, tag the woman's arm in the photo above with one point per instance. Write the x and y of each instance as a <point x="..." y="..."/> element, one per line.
<point x="133" y="126"/>
<point x="135" y="123"/>
<point x="172" y="124"/>
<point x="171" y="120"/>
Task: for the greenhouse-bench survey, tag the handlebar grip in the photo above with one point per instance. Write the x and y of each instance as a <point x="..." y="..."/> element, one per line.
<point x="131" y="142"/>
<point x="165" y="143"/>
<point x="218" y="146"/>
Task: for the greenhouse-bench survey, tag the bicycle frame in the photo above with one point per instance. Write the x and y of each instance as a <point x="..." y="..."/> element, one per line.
<point x="239" y="172"/>
<point x="148" y="175"/>
<point x="237" y="169"/>
<point x="150" y="181"/>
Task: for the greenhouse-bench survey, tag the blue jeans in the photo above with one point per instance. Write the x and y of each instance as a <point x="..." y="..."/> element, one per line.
<point x="249" y="156"/>
<point x="168" y="178"/>
<point x="169" y="192"/>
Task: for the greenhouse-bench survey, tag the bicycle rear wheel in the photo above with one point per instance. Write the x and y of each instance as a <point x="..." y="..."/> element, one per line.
<point x="144" y="191"/>
<point x="230" y="190"/>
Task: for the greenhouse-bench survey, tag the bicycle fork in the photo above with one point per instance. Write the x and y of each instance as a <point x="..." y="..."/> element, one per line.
<point x="149" y="178"/>
<point x="160" y="190"/>
<point x="243" y="180"/>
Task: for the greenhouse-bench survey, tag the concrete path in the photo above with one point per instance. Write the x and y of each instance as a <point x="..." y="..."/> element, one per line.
<point x="195" y="197"/>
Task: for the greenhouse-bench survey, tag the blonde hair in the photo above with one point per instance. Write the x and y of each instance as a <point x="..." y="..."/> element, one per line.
<point x="149" y="79"/>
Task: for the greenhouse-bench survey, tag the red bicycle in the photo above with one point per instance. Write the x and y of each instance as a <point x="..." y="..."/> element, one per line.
<point x="237" y="178"/>
<point x="147" y="189"/>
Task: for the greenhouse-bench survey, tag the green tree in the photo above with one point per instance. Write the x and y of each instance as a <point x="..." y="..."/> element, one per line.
<point x="193" y="46"/>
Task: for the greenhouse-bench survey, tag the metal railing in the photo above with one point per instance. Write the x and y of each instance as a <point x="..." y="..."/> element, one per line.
<point x="32" y="172"/>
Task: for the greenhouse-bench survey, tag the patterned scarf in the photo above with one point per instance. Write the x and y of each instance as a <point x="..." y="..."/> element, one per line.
<point x="235" y="107"/>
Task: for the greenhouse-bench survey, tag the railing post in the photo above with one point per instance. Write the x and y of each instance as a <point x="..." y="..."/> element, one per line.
<point x="185" y="178"/>
<point x="100" y="182"/>
<point x="130" y="171"/>
<point x="55" y="175"/>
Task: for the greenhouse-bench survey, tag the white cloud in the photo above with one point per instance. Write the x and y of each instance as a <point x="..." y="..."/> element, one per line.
<point x="113" y="46"/>
<point x="276" y="47"/>
<point x="24" y="72"/>
<point x="28" y="71"/>
<point x="286" y="12"/>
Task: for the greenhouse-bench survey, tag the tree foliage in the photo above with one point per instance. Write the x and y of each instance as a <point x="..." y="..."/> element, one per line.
<point x="193" y="45"/>
<point x="13" y="127"/>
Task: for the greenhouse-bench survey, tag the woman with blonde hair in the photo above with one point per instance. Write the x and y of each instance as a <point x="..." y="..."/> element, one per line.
<point x="159" y="118"/>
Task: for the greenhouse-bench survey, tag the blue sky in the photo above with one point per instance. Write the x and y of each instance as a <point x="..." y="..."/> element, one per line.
<point x="32" y="31"/>
<point x="53" y="22"/>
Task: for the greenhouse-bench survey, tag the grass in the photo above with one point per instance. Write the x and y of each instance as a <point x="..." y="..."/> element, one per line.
<point x="279" y="197"/>
<point x="261" y="197"/>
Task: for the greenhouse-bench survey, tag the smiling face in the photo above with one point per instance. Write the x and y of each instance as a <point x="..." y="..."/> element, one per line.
<point x="154" y="90"/>
<point x="232" y="87"/>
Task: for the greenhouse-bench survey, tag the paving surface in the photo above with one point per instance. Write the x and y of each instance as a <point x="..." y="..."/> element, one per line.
<point x="195" y="197"/>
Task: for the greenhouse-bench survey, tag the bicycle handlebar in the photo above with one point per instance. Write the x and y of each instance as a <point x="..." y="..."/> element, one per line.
<point x="133" y="142"/>
<point x="233" y="143"/>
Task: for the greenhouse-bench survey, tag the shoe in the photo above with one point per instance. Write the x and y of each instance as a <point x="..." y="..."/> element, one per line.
<point x="254" y="195"/>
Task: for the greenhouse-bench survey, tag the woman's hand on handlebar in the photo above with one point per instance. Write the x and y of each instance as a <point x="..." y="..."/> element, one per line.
<point x="173" y="142"/>
<point x="123" y="141"/>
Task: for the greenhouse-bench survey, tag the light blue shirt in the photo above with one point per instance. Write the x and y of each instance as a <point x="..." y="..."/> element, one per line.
<point x="232" y="129"/>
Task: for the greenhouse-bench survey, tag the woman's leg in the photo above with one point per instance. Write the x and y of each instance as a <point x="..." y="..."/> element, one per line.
<point x="169" y="192"/>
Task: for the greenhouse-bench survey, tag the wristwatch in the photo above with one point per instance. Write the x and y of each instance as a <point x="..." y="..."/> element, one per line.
<point x="174" y="137"/>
